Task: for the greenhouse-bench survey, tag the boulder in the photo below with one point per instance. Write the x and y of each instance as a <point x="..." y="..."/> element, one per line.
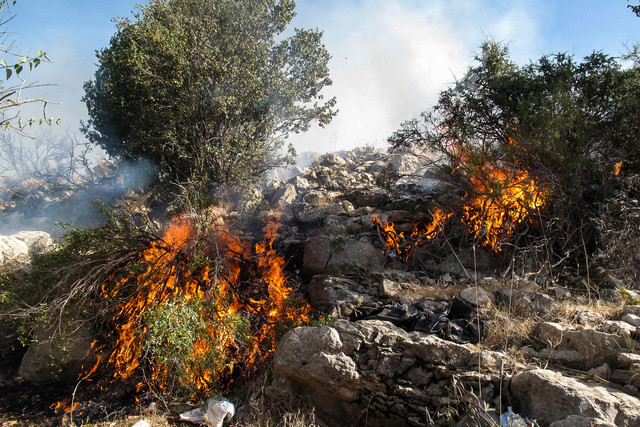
<point x="548" y="396"/>
<point x="337" y="296"/>
<point x="340" y="254"/>
<point x="476" y="296"/>
<point x="350" y="371"/>
<point x="596" y="347"/>
<point x="19" y="248"/>
<point x="284" y="195"/>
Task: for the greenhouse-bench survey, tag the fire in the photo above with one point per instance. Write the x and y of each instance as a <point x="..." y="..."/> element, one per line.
<point x="502" y="200"/>
<point x="617" y="168"/>
<point x="220" y="287"/>
<point x="403" y="246"/>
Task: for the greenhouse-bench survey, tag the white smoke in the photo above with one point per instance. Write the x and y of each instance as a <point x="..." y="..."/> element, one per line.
<point x="392" y="58"/>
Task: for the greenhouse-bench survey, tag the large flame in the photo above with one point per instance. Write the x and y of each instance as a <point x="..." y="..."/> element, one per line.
<point x="233" y="280"/>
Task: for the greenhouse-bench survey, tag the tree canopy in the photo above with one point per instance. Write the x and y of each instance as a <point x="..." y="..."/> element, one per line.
<point x="208" y="89"/>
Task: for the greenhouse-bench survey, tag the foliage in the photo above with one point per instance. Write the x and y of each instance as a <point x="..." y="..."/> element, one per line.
<point x="207" y="90"/>
<point x="13" y="63"/>
<point x="175" y="329"/>
<point x="568" y="127"/>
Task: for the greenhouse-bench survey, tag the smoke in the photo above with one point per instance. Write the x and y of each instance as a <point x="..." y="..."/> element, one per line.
<point x="392" y="58"/>
<point x="38" y="203"/>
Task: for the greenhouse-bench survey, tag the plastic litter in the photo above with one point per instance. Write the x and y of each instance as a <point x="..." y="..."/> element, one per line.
<point x="630" y="295"/>
<point x="214" y="414"/>
<point x="511" y="419"/>
<point x="455" y="321"/>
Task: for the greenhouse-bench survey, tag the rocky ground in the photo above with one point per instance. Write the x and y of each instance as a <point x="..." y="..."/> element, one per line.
<point x="559" y="353"/>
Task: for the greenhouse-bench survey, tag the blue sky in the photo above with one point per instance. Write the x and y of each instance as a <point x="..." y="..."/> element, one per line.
<point x="390" y="57"/>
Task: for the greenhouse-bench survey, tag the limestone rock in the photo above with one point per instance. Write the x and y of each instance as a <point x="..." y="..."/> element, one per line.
<point x="341" y="254"/>
<point x="597" y="347"/>
<point x="336" y="296"/>
<point x="19" y="248"/>
<point x="580" y="421"/>
<point x="284" y="195"/>
<point x="476" y="296"/>
<point x="349" y="368"/>
<point x="548" y="396"/>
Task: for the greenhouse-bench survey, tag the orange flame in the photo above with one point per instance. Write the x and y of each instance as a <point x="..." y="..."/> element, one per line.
<point x="502" y="200"/>
<point x="617" y="168"/>
<point x="403" y="246"/>
<point x="232" y="277"/>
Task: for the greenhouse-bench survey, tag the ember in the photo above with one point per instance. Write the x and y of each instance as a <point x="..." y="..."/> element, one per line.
<point x="198" y="309"/>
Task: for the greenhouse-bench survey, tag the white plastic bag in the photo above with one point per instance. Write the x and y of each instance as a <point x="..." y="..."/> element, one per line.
<point x="215" y="414"/>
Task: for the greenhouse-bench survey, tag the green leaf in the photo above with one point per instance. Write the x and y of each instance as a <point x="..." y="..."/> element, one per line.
<point x="9" y="72"/>
<point x="22" y="60"/>
<point x="18" y="68"/>
<point x="3" y="62"/>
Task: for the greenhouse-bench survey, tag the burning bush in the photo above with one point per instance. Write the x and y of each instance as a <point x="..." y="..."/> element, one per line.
<point x="534" y="151"/>
<point x="194" y="313"/>
<point x="189" y="312"/>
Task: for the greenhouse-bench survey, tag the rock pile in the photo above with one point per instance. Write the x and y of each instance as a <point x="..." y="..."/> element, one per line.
<point x="370" y="372"/>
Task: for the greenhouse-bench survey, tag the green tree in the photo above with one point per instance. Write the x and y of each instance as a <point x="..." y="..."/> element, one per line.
<point x="569" y="126"/>
<point x="207" y="89"/>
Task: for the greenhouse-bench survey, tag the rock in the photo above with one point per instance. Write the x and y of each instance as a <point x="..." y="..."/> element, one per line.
<point x="597" y="347"/>
<point x="389" y="288"/>
<point x="60" y="358"/>
<point x="38" y="242"/>
<point x="616" y="284"/>
<point x="580" y="421"/>
<point x="300" y="183"/>
<point x="542" y="303"/>
<point x="617" y="327"/>
<point x="311" y="214"/>
<point x="284" y="195"/>
<point x="631" y="309"/>
<point x="331" y="160"/>
<point x="340" y="254"/>
<point x="13" y="251"/>
<point x="336" y="296"/>
<point x="369" y="197"/>
<point x="476" y="296"/>
<point x="562" y="293"/>
<point x="631" y="319"/>
<point x="603" y="371"/>
<point x="563" y="356"/>
<point x="18" y="249"/>
<point x="627" y="359"/>
<point x="548" y="396"/>
<point x="350" y="368"/>
<point x="590" y="318"/>
<point x="611" y="295"/>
